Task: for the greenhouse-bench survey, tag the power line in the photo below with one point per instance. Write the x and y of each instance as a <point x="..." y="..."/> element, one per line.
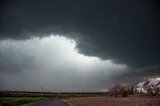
<point x="17" y="68"/>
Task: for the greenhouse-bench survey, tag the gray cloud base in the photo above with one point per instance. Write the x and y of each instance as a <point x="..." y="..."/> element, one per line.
<point x="53" y="63"/>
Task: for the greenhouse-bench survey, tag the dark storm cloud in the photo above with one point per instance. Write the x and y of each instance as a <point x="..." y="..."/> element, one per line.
<point x="124" y="31"/>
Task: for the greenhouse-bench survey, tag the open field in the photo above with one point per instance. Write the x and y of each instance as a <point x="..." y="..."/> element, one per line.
<point x="26" y="94"/>
<point x="112" y="101"/>
<point x="68" y="95"/>
<point x="18" y="101"/>
<point x="18" y="98"/>
<point x="61" y="95"/>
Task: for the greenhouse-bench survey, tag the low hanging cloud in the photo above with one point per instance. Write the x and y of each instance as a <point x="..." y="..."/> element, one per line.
<point x="53" y="62"/>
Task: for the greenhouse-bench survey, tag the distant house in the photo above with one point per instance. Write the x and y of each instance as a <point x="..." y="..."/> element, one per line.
<point x="158" y="87"/>
<point x="151" y="85"/>
<point x="140" y="87"/>
<point x="158" y="84"/>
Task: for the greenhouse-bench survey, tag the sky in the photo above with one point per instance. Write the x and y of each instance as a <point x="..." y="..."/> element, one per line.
<point x="78" y="45"/>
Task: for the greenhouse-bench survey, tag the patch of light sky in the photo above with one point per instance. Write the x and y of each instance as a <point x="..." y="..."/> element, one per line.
<point x="56" y="62"/>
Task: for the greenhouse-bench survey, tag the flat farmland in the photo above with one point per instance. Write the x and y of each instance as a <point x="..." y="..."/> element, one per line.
<point x="112" y="101"/>
<point x="18" y="101"/>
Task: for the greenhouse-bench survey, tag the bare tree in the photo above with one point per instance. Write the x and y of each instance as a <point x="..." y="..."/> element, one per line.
<point x="119" y="90"/>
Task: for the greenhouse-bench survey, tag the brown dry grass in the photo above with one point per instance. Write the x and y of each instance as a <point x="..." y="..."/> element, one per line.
<point x="111" y="101"/>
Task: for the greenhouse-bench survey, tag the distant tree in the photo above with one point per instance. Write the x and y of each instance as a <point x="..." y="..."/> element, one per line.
<point x="157" y="90"/>
<point x="151" y="90"/>
<point x="119" y="90"/>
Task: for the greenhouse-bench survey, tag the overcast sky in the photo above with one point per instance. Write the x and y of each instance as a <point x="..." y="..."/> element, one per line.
<point x="78" y="45"/>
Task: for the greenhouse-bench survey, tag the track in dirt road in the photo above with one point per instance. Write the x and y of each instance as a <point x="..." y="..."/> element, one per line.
<point x="53" y="102"/>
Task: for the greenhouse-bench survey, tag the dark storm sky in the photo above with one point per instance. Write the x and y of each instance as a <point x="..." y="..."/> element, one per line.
<point x="124" y="31"/>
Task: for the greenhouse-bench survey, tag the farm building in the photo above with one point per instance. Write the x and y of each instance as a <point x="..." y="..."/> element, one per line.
<point x="152" y="85"/>
<point x="140" y="87"/>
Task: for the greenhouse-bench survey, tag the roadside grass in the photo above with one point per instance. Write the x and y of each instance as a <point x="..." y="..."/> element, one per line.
<point x="72" y="95"/>
<point x="18" y="101"/>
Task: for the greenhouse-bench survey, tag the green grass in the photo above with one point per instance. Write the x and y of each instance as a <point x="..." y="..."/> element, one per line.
<point x="18" y="101"/>
<point x="71" y="95"/>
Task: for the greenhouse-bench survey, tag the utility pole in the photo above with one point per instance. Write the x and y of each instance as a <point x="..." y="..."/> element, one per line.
<point x="42" y="92"/>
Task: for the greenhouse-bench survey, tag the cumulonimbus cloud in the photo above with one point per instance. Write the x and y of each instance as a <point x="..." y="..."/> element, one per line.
<point x="124" y="31"/>
<point x="53" y="62"/>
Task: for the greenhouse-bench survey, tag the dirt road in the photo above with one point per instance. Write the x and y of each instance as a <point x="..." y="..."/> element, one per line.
<point x="53" y="102"/>
<point x="112" y="101"/>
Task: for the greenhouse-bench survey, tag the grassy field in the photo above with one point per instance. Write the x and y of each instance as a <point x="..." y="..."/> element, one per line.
<point x="19" y="98"/>
<point x="72" y="95"/>
<point x="18" y="101"/>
